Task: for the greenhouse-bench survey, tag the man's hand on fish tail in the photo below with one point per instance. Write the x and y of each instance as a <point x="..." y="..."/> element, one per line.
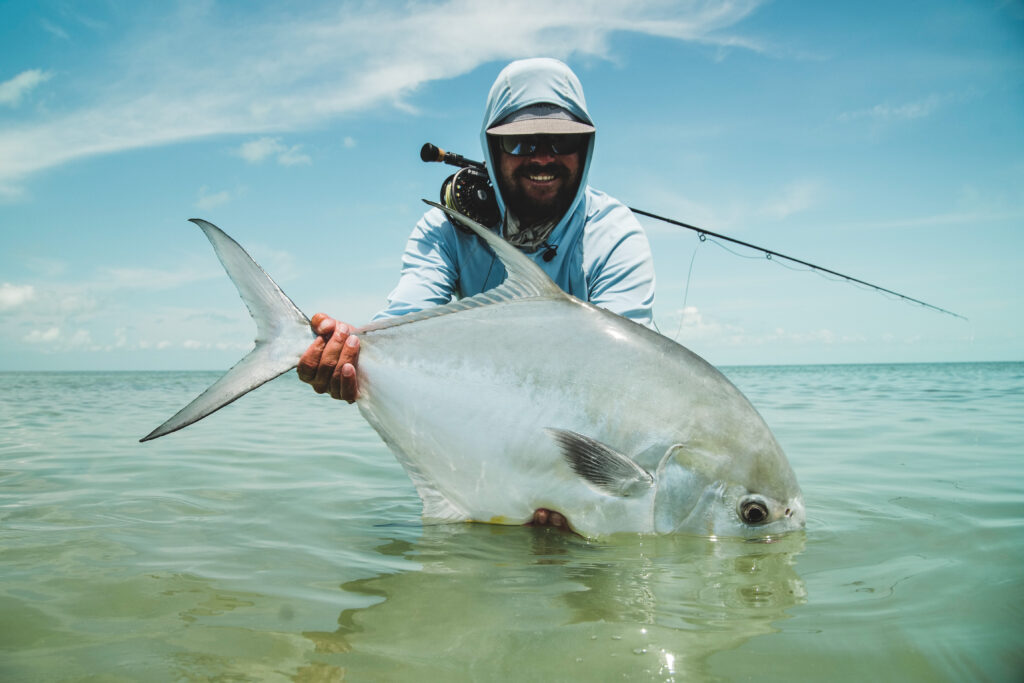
<point x="329" y="364"/>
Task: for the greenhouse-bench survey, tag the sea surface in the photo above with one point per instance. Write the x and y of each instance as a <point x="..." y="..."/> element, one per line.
<point x="280" y="540"/>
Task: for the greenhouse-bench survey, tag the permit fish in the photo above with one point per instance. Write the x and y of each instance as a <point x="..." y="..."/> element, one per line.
<point x="524" y="397"/>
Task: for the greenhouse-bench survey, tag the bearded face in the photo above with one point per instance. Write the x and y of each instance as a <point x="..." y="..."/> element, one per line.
<point x="539" y="187"/>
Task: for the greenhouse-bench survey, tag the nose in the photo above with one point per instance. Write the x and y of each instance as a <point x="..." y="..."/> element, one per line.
<point x="543" y="154"/>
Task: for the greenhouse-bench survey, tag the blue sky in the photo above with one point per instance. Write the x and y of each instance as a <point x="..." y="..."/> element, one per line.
<point x="879" y="139"/>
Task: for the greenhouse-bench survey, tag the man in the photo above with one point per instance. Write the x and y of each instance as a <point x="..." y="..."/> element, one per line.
<point x="538" y="140"/>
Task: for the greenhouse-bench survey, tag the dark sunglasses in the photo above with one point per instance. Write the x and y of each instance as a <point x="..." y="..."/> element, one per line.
<point x="525" y="145"/>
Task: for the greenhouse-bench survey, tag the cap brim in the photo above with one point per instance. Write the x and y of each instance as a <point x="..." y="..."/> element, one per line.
<point x="541" y="126"/>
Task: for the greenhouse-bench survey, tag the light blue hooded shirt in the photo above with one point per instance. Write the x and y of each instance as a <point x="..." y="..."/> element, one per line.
<point x="602" y="252"/>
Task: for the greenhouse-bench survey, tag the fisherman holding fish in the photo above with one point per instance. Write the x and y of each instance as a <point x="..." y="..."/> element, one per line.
<point x="538" y="141"/>
<point x="517" y="380"/>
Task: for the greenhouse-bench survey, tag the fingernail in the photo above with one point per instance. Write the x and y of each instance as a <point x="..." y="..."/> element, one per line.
<point x="352" y="341"/>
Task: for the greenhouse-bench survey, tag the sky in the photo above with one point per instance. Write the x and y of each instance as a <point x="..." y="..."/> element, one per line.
<point x="882" y="140"/>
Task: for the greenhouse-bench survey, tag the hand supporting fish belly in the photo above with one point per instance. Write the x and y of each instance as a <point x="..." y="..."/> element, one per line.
<point x="493" y="430"/>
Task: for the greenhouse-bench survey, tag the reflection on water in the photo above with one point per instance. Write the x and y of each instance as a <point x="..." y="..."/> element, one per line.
<point x="486" y="601"/>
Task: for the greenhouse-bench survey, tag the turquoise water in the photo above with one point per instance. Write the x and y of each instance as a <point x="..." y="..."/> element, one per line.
<point x="280" y="540"/>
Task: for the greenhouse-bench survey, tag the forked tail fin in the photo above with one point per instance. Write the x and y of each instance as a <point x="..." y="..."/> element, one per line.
<point x="282" y="334"/>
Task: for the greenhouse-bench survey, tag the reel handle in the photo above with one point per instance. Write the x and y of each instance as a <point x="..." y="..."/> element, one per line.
<point x="430" y="152"/>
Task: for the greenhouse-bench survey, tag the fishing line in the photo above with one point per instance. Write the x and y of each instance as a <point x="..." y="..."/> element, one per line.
<point x="820" y="273"/>
<point x="686" y="292"/>
<point x="772" y="255"/>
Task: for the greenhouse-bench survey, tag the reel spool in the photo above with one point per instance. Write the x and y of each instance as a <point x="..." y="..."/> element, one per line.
<point x="469" y="192"/>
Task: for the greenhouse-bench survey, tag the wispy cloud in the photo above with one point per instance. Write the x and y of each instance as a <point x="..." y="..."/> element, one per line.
<point x="208" y="199"/>
<point x="953" y="218"/>
<point x="12" y="91"/>
<point x="285" y="71"/>
<point x="770" y="203"/>
<point x="793" y="199"/>
<point x="54" y="30"/>
<point x="101" y="313"/>
<point x="886" y="112"/>
<point x="257" y="151"/>
<point x="13" y="296"/>
<point x="690" y="326"/>
<point x="47" y="335"/>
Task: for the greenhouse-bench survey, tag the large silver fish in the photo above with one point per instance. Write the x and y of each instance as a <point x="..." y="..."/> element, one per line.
<point x="525" y="397"/>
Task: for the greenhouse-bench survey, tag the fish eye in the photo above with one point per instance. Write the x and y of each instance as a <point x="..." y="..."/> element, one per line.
<point x="753" y="511"/>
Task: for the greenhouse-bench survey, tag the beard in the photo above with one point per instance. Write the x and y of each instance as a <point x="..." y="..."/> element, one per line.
<point x="532" y="211"/>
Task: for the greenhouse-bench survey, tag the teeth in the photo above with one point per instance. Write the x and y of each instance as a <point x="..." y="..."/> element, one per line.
<point x="542" y="178"/>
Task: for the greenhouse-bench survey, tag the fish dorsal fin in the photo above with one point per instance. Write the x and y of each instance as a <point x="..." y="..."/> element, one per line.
<point x="526" y="280"/>
<point x="602" y="466"/>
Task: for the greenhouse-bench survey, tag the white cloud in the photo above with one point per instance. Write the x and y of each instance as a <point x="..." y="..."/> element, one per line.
<point x="737" y="215"/>
<point x="113" y="279"/>
<point x="794" y="198"/>
<point x="51" y="340"/>
<point x="286" y="71"/>
<point x="16" y="88"/>
<point x="13" y="296"/>
<point x="79" y="339"/>
<point x="257" y="151"/>
<point x="690" y="326"/>
<point x="208" y="200"/>
<point x="886" y="112"/>
<point x="47" y="335"/>
<point x="11" y="193"/>
<point x="54" y="30"/>
<point x="293" y="157"/>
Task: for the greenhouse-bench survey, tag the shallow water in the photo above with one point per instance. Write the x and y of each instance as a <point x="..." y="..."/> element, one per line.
<point x="280" y="540"/>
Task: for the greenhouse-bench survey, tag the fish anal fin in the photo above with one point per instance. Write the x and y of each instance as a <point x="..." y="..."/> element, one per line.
<point x="602" y="466"/>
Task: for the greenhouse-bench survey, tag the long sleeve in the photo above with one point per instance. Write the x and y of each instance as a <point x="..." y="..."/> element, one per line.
<point x="617" y="261"/>
<point x="429" y="273"/>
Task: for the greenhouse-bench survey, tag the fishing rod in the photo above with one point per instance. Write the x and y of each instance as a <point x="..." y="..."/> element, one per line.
<point x="469" y="191"/>
<point x="771" y="254"/>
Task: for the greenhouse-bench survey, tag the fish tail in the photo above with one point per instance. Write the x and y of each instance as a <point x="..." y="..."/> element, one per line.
<point x="282" y="334"/>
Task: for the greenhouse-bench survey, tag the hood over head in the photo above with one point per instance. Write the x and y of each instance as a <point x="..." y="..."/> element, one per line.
<point x="512" y="109"/>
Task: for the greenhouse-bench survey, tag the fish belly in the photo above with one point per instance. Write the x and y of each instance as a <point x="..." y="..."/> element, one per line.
<point x="468" y="421"/>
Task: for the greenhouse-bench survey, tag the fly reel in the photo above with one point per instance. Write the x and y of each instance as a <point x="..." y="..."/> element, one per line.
<point x="469" y="192"/>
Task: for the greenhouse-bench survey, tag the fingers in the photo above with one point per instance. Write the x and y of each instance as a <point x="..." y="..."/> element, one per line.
<point x="330" y="358"/>
<point x="329" y="364"/>
<point x="323" y="326"/>
<point x="545" y="517"/>
<point x="344" y="384"/>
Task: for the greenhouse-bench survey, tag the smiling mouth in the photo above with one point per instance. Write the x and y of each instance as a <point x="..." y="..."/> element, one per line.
<point x="542" y="175"/>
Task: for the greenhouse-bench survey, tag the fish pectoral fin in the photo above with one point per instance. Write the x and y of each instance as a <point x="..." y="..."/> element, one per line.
<point x="601" y="465"/>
